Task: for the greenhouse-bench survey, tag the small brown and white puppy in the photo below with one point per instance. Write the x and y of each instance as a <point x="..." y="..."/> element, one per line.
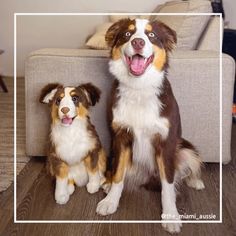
<point x="75" y="155"/>
<point x="144" y="117"/>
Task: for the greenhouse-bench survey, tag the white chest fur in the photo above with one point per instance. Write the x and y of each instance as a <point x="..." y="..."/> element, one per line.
<point x="139" y="110"/>
<point x="72" y="143"/>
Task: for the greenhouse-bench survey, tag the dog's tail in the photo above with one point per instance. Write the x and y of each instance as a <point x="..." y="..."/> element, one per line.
<point x="189" y="164"/>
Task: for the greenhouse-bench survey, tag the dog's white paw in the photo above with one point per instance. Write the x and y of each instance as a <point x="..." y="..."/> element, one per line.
<point x="71" y="188"/>
<point x="92" y="187"/>
<point x="172" y="227"/>
<point x="62" y="198"/>
<point x="106" y="207"/>
<point x="195" y="183"/>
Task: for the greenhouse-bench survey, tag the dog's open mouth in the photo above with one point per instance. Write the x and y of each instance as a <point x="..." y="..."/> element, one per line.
<point x="138" y="64"/>
<point x="67" y="120"/>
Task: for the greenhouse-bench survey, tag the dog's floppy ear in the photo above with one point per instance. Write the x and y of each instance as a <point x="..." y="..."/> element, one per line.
<point x="91" y="92"/>
<point x="48" y="92"/>
<point x="165" y="34"/>
<point x="113" y="31"/>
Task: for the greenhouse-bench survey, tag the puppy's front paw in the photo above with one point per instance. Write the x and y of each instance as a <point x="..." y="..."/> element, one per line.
<point x="92" y="187"/>
<point x="106" y="207"/>
<point x="172" y="227"/>
<point x="62" y="198"/>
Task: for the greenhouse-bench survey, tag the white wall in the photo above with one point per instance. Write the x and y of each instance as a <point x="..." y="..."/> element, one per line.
<point x="69" y="32"/>
<point x="34" y="32"/>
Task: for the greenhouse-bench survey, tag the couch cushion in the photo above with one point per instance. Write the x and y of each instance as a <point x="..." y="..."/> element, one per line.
<point x="188" y="28"/>
<point x="210" y="40"/>
<point x="97" y="40"/>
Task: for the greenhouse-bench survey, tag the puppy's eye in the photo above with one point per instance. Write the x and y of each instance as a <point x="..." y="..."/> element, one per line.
<point x="75" y="99"/>
<point x="58" y="100"/>
<point x="127" y="34"/>
<point x="151" y="35"/>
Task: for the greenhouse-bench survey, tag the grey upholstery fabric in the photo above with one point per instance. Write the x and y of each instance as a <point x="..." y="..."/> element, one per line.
<point x="194" y="76"/>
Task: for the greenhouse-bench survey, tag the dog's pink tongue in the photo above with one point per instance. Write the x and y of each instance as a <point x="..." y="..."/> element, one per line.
<point x="137" y="65"/>
<point x="67" y="121"/>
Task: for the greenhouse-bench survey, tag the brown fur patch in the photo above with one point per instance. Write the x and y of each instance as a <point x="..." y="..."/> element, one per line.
<point x="73" y="92"/>
<point x="161" y="167"/>
<point x="148" y="27"/>
<point x="71" y="181"/>
<point x="91" y="92"/>
<point x="116" y="53"/>
<point x="82" y="111"/>
<point x="160" y="58"/>
<point x="89" y="165"/>
<point x="102" y="160"/>
<point x="131" y="27"/>
<point x="123" y="164"/>
<point x="54" y="113"/>
<point x="63" y="170"/>
<point x="47" y="89"/>
<point x="113" y="36"/>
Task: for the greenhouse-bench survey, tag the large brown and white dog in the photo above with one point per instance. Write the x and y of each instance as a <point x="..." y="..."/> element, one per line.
<point x="75" y="154"/>
<point x="144" y="117"/>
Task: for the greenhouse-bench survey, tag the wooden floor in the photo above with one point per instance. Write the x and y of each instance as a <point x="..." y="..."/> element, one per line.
<point x="6" y="132"/>
<point x="35" y="201"/>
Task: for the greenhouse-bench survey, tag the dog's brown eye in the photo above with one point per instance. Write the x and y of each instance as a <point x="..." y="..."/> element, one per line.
<point x="151" y="35"/>
<point x="58" y="100"/>
<point x="127" y="34"/>
<point x="75" y="99"/>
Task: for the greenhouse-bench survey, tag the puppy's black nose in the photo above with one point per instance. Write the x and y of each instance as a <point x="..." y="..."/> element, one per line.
<point x="65" y="110"/>
<point x="138" y="43"/>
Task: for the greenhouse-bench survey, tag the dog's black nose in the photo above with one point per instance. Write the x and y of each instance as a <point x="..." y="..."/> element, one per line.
<point x="65" y="110"/>
<point x="138" y="43"/>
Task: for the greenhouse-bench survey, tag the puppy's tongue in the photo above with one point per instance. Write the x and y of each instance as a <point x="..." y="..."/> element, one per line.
<point x="137" y="65"/>
<point x="67" y="121"/>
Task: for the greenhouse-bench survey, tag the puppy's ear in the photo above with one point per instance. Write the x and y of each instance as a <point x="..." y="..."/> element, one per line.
<point x="113" y="31"/>
<point x="48" y="92"/>
<point x="91" y="92"/>
<point x="165" y="34"/>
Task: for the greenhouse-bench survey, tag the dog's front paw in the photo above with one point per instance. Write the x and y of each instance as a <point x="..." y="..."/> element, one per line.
<point x="92" y="187"/>
<point x="62" y="198"/>
<point x="106" y="207"/>
<point x="172" y="227"/>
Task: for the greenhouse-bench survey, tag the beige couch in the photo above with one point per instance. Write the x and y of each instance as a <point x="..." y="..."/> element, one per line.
<point x="194" y="75"/>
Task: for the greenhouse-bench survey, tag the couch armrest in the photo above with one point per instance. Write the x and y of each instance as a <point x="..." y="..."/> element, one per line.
<point x="194" y="76"/>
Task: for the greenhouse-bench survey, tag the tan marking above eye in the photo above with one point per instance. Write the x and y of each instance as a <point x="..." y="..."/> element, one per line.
<point x="131" y="27"/>
<point x="148" y="27"/>
<point x="62" y="95"/>
<point x="72" y="93"/>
